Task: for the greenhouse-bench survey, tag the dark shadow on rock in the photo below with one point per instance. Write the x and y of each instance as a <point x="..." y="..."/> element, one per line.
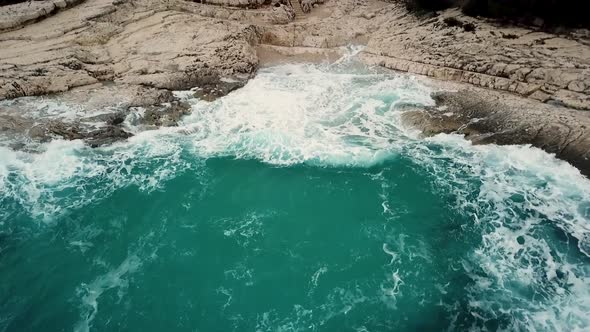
<point x="486" y="120"/>
<point x="165" y="115"/>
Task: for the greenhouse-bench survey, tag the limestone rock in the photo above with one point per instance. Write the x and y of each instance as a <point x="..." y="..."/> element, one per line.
<point x="577" y="86"/>
<point x="487" y="117"/>
<point x="20" y="14"/>
<point x="572" y="99"/>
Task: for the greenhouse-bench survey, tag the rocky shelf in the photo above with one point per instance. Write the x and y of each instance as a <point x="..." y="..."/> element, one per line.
<point x="150" y="47"/>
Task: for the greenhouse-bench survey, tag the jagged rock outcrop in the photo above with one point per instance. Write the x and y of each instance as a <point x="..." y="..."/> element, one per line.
<point x="172" y="44"/>
<point x="542" y="66"/>
<point x="123" y="53"/>
<point x="235" y="3"/>
<point x="490" y="118"/>
<point x="307" y="5"/>
<point x="147" y="43"/>
<point x="19" y="14"/>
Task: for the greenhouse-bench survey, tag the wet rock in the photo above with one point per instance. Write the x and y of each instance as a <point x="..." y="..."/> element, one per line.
<point x="216" y="89"/>
<point x="105" y="136"/>
<point x="489" y="118"/>
<point x="429" y="121"/>
<point x="13" y="123"/>
<point x="455" y="22"/>
<point x="73" y="131"/>
<point x="57" y="129"/>
<point x="68" y="131"/>
<point x="115" y="119"/>
<point x="165" y="116"/>
<point x="112" y="119"/>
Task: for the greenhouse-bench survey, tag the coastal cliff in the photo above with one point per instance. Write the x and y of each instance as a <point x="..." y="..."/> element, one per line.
<point x="134" y="53"/>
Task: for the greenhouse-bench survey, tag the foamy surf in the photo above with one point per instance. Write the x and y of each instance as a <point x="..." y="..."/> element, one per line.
<point x="297" y="114"/>
<point x="307" y="175"/>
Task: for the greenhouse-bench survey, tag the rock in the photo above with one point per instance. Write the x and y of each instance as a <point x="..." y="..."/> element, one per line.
<point x="217" y="88"/>
<point x="506" y="55"/>
<point x="538" y="22"/>
<point x="115" y="119"/>
<point x="281" y="14"/>
<point x="429" y="123"/>
<point x="572" y="99"/>
<point x="179" y="44"/>
<point x="577" y="86"/>
<point x="161" y="48"/>
<point x="453" y="21"/>
<point x="12" y="124"/>
<point x="540" y="96"/>
<point x="369" y="15"/>
<point x="236" y="3"/>
<point x="68" y="131"/>
<point x="165" y="116"/>
<point x="307" y="5"/>
<point x="105" y="136"/>
<point x="20" y="14"/>
<point x="74" y="131"/>
<point x="486" y="117"/>
<point x="116" y="54"/>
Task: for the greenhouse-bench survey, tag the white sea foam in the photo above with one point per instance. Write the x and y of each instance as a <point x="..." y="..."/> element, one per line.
<point x="90" y="293"/>
<point x="315" y="278"/>
<point x="286" y="115"/>
<point x="305" y="114"/>
<point x="523" y="198"/>
<point x="67" y="175"/>
<point x="519" y="198"/>
<point x="339" y="302"/>
<point x="247" y="230"/>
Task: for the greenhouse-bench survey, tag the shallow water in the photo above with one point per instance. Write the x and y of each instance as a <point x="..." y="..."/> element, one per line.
<point x="296" y="203"/>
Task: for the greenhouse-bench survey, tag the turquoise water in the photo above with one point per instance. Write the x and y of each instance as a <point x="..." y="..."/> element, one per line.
<point x="298" y="203"/>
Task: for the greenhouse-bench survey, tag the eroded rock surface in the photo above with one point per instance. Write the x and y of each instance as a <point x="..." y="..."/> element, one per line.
<point x="20" y="14"/>
<point x="531" y="63"/>
<point x="178" y="44"/>
<point x="116" y="55"/>
<point x="490" y="118"/>
<point x="146" y="43"/>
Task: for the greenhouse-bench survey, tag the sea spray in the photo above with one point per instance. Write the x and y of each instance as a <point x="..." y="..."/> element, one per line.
<point x="299" y="202"/>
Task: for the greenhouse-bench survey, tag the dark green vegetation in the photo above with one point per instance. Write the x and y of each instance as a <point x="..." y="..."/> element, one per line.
<point x="11" y="2"/>
<point x="572" y="13"/>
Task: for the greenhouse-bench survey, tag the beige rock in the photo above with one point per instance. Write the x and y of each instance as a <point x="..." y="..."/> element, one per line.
<point x="572" y="99"/>
<point x="17" y="15"/>
<point x="556" y="63"/>
<point x="147" y="42"/>
<point x="146" y="47"/>
<point x="540" y="96"/>
<point x="577" y="86"/>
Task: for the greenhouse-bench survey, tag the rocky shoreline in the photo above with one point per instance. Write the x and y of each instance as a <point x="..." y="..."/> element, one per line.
<point x="120" y="54"/>
<point x="489" y="117"/>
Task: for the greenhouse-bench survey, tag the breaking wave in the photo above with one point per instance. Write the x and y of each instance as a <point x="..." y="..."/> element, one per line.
<point x="529" y="211"/>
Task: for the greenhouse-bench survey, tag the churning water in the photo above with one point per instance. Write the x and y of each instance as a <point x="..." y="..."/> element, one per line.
<point x="298" y="203"/>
